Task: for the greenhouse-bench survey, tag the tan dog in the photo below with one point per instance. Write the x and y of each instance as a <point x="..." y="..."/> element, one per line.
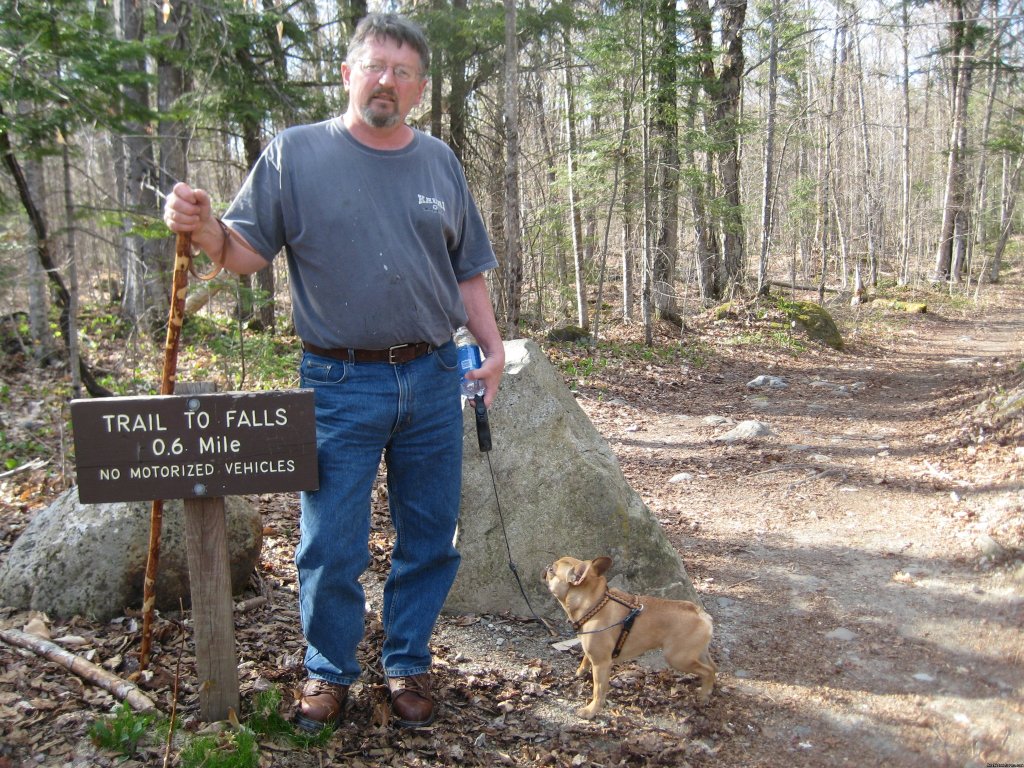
<point x="601" y="617"/>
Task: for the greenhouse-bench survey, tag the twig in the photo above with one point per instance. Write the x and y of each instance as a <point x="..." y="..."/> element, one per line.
<point x="752" y="578"/>
<point x="821" y="469"/>
<point x="26" y="467"/>
<point x="174" y="693"/>
<point x="783" y="468"/>
<point x="122" y="689"/>
<point x="820" y="474"/>
<point x="252" y="602"/>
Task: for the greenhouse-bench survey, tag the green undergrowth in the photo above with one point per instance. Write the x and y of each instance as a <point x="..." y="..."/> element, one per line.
<point x="579" y="362"/>
<point x="125" y="731"/>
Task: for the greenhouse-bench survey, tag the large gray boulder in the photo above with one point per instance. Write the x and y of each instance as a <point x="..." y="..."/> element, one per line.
<point x="561" y="492"/>
<point x="90" y="559"/>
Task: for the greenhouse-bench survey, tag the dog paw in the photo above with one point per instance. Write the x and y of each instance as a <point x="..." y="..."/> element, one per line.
<point x="588" y="712"/>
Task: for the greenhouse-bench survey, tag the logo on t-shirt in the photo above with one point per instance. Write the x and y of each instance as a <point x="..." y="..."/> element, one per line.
<point x="432" y="202"/>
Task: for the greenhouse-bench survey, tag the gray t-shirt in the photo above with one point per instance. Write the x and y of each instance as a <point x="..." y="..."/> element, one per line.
<point x="377" y="241"/>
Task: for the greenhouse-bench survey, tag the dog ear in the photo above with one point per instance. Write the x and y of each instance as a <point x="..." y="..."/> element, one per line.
<point x="579" y="573"/>
<point x="601" y="564"/>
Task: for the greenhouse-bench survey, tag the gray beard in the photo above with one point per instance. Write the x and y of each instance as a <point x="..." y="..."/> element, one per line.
<point x="378" y="120"/>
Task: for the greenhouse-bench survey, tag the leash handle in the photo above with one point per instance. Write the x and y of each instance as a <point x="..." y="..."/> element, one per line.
<point x="483" y="426"/>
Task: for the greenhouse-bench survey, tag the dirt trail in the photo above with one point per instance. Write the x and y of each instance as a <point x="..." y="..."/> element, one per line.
<point x="862" y="562"/>
<point x="859" y="621"/>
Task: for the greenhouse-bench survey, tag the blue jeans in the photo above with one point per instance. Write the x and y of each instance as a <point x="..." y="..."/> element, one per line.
<point x="411" y="413"/>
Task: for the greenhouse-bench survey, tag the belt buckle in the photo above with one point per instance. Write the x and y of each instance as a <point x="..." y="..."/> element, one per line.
<point x="391" y="353"/>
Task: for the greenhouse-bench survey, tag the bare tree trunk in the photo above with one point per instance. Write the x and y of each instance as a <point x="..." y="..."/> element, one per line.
<point x="874" y="221"/>
<point x="645" y="154"/>
<point x="38" y="297"/>
<point x="723" y="92"/>
<point x="513" y="257"/>
<point x="575" y="219"/>
<point x="551" y="176"/>
<point x="702" y="186"/>
<point x="954" y="213"/>
<point x="256" y="293"/>
<point x="1010" y="192"/>
<point x="842" y="268"/>
<point x="628" y="206"/>
<point x="982" y="210"/>
<point x="619" y="152"/>
<point x="437" y="70"/>
<point x="264" y="278"/>
<point x="459" y="88"/>
<point x="904" y="254"/>
<point x="825" y="182"/>
<point x="173" y="133"/>
<point x="140" y="180"/>
<point x="74" y="360"/>
<point x="730" y="83"/>
<point x="769" y="148"/>
<point x="666" y="131"/>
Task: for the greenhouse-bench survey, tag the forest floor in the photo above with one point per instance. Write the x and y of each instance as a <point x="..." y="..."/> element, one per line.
<point x="863" y="563"/>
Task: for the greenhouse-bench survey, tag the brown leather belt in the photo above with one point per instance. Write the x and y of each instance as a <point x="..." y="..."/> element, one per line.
<point x="400" y="353"/>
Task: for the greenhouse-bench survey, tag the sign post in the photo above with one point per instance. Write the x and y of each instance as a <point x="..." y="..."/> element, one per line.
<point x="199" y="446"/>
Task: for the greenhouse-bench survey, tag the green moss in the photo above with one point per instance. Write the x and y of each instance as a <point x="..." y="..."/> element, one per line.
<point x="812" y="318"/>
<point x="911" y="307"/>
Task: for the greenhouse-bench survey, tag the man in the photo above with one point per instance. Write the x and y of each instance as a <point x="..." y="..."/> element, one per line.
<point x="386" y="254"/>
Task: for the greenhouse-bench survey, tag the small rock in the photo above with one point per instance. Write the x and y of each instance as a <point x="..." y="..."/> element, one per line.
<point x="682" y="477"/>
<point x="767" y="382"/>
<point x="745" y="430"/>
<point x="842" y="634"/>
<point x="988" y="546"/>
<point x="566" y="645"/>
<point x="924" y="677"/>
<point x="715" y="421"/>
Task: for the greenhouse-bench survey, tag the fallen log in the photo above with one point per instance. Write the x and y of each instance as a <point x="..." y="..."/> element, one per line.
<point x="122" y="689"/>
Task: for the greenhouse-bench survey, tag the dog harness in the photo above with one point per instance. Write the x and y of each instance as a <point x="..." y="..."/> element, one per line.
<point x="635" y="608"/>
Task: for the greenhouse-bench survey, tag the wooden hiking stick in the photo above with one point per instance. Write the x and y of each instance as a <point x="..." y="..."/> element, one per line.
<point x="176" y="318"/>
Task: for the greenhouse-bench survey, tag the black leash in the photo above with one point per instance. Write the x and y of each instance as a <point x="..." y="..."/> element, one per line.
<point x="483" y="437"/>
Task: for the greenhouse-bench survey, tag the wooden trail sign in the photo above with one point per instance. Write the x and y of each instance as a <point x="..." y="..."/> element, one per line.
<point x="194" y="446"/>
<point x="199" y="446"/>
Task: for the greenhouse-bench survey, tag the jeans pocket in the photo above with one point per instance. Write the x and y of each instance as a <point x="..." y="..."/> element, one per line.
<point x="447" y="357"/>
<point x="316" y="370"/>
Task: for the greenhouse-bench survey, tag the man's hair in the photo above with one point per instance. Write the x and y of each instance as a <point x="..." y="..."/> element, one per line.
<point x="383" y="26"/>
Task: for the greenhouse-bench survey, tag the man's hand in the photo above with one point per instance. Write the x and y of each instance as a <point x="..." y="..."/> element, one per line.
<point x="189" y="210"/>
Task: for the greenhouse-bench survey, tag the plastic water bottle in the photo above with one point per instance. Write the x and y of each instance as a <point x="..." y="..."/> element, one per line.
<point x="469" y="359"/>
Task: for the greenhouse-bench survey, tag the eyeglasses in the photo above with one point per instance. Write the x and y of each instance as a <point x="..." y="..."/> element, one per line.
<point x="400" y="72"/>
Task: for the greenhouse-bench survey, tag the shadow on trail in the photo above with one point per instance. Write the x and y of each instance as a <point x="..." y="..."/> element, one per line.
<point x="867" y="621"/>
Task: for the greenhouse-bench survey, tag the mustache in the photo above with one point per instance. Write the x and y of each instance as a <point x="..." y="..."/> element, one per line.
<point x="383" y="91"/>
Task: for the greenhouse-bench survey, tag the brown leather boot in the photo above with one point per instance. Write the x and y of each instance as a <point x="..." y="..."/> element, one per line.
<point x="321" y="704"/>
<point x="412" y="703"/>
